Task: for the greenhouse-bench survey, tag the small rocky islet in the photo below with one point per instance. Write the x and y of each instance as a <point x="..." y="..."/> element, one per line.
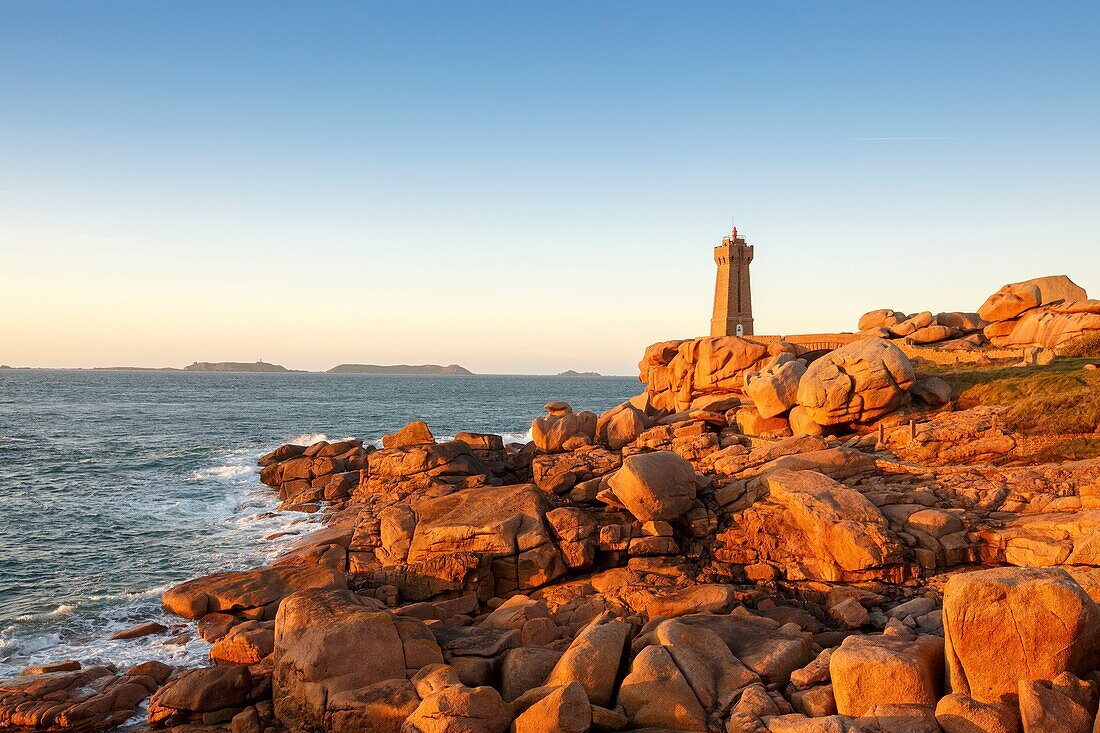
<point x="767" y="538"/>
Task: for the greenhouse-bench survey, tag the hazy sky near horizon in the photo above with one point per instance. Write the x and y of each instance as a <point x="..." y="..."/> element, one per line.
<point x="524" y="187"/>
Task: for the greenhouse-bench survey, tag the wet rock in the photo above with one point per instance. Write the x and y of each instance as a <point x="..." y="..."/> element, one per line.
<point x="145" y="629"/>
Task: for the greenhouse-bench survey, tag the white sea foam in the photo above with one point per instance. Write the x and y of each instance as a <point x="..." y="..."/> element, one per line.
<point x="308" y="438"/>
<point x="517" y="437"/>
<point x="228" y="471"/>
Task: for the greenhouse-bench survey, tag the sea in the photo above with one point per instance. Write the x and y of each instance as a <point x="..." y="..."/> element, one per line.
<point x="115" y="485"/>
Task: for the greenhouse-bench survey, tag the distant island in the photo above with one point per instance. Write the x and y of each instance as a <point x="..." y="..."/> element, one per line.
<point x="573" y="373"/>
<point x="398" y="369"/>
<point x="234" y="366"/>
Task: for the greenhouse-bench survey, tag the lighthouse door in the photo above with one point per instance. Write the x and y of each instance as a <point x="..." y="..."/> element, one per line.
<point x="740" y="330"/>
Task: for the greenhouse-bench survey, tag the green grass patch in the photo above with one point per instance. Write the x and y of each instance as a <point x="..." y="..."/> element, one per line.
<point x="1056" y="398"/>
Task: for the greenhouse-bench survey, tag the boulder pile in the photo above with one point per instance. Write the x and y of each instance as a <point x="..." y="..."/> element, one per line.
<point x="770" y="391"/>
<point x="1046" y="312"/>
<point x="763" y="540"/>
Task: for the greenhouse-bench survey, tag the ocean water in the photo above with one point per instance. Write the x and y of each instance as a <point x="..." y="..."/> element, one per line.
<point x="116" y="485"/>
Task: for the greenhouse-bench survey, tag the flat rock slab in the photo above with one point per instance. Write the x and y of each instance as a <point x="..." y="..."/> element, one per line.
<point x="249" y="589"/>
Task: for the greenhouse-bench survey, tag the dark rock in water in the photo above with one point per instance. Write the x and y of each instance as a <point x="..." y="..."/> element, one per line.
<point x="146" y="629"/>
<point x="69" y="665"/>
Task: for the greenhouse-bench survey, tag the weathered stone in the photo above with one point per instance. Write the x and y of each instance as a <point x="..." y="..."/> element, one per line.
<point x="764" y="646"/>
<point x="620" y="426"/>
<point x="657" y="485"/>
<point x="843" y="530"/>
<point x="333" y="642"/>
<point x="868" y="671"/>
<point x="451" y="706"/>
<point x="565" y="710"/>
<point x="562" y="427"/>
<point x="197" y="691"/>
<point x="932" y="391"/>
<point x="1046" y="710"/>
<point x="961" y="714"/>
<point x="859" y="382"/>
<point x="1010" y="301"/>
<point x="525" y="668"/>
<point x="415" y="433"/>
<point x="86" y="700"/>
<point x="1008" y="624"/>
<point x="775" y="389"/>
<point x="883" y="318"/>
<point x="246" y="590"/>
<point x="453" y="458"/>
<point x="504" y="524"/>
<point x="656" y="694"/>
<point x="246" y="643"/>
<point x="593" y="660"/>
<point x="714" y="674"/>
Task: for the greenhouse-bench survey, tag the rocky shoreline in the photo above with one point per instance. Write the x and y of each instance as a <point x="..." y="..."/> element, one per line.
<point x="764" y="539"/>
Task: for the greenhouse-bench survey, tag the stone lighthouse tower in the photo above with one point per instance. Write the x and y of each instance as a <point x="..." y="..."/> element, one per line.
<point x="732" y="295"/>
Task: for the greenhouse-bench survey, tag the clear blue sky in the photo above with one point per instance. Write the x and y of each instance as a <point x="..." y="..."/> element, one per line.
<point x="524" y="187"/>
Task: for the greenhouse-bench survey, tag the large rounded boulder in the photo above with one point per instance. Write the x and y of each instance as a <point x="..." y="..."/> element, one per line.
<point x="655" y="486"/>
<point x="1009" y="624"/>
<point x="859" y="382"/>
